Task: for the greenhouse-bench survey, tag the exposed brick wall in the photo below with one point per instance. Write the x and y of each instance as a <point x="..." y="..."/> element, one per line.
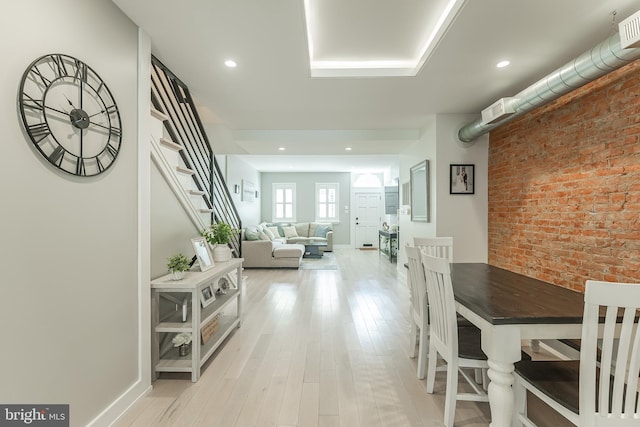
<point x="564" y="186"/>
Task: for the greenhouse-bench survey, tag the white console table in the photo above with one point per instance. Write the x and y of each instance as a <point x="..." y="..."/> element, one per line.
<point x="192" y="284"/>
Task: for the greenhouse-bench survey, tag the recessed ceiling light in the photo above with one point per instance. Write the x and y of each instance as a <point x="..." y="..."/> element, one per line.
<point x="281" y="148"/>
<point x="230" y="63"/>
<point x="502" y="64"/>
<point x="348" y="149"/>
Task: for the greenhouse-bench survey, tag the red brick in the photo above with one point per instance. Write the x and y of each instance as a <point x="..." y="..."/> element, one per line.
<point x="564" y="186"/>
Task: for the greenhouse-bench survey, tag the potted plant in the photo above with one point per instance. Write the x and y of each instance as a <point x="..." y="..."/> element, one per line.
<point x="183" y="342"/>
<point x="219" y="236"/>
<point x="177" y="265"/>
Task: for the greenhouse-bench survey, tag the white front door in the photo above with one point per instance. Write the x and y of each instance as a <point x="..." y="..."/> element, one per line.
<point x="367" y="217"/>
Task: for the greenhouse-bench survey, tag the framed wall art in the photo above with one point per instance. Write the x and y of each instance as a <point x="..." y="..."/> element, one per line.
<point x="419" y="183"/>
<point x="462" y="179"/>
<point x="248" y="191"/>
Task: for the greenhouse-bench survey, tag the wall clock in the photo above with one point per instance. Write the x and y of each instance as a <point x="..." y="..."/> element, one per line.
<point x="70" y="115"/>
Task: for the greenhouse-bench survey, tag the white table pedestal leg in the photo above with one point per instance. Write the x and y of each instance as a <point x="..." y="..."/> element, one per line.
<point x="500" y="392"/>
<point x="502" y="346"/>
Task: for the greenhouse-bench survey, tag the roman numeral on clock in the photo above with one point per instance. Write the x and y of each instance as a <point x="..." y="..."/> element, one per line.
<point x="37" y="74"/>
<point x="32" y="103"/>
<point x="57" y="156"/>
<point x="100" y="165"/>
<point x="81" y="71"/>
<point x="80" y="167"/>
<point x="111" y="150"/>
<point x="58" y="66"/>
<point x="116" y="132"/>
<point x="39" y="131"/>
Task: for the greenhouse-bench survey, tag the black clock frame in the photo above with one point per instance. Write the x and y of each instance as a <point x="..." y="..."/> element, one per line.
<point x="38" y="83"/>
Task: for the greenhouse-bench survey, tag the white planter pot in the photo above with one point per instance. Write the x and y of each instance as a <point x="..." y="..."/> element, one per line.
<point x="177" y="275"/>
<point x="221" y="253"/>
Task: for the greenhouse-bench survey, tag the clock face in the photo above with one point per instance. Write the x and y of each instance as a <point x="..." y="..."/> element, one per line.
<point x="70" y="115"/>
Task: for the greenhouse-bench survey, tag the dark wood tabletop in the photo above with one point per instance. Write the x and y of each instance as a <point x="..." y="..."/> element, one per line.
<point x="503" y="297"/>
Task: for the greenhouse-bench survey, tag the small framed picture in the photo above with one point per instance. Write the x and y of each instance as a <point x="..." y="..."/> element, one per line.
<point x="205" y="260"/>
<point x="223" y="284"/>
<point x="462" y="179"/>
<point x="248" y="191"/>
<point x="207" y="296"/>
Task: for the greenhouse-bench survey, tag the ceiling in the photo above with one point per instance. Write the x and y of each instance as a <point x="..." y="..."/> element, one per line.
<point x="317" y="76"/>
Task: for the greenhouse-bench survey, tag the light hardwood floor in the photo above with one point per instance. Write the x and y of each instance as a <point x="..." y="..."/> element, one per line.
<point x="322" y="348"/>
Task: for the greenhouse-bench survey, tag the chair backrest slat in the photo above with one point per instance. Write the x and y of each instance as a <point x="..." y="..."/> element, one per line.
<point x="606" y="359"/>
<point x="631" y="404"/>
<point x="417" y="285"/>
<point x="622" y="361"/>
<point x="441" y="247"/>
<point x="617" y="394"/>
<point x="442" y="309"/>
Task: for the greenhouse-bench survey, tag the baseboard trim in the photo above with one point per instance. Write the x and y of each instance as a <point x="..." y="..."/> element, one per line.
<point x="121" y="405"/>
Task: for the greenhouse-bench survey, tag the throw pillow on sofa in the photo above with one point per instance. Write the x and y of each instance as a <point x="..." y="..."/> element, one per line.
<point x="290" y="232"/>
<point x="269" y="233"/>
<point x="273" y="231"/>
<point x="302" y="229"/>
<point x="322" y="230"/>
<point x="263" y="236"/>
<point x="280" y="226"/>
<point x="252" y="233"/>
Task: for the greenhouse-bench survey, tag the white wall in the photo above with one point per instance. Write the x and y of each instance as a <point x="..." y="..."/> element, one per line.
<point x="220" y="136"/>
<point x="424" y="149"/>
<point x="69" y="245"/>
<point x="171" y="227"/>
<point x="236" y="171"/>
<point x="464" y="217"/>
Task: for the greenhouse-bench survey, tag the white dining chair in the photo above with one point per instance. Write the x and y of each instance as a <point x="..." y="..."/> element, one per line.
<point x="418" y="310"/>
<point x="443" y="247"/>
<point x="600" y="389"/>
<point x="436" y="246"/>
<point x="458" y="346"/>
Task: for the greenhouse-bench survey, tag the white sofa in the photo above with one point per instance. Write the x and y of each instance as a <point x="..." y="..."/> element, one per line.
<point x="270" y="254"/>
<point x="263" y="248"/>
<point x="308" y="232"/>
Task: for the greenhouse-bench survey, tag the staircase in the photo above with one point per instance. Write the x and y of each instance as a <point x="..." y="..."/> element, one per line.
<point x="183" y="154"/>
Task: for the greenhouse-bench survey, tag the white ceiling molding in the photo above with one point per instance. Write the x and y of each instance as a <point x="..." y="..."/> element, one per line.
<point x="414" y="47"/>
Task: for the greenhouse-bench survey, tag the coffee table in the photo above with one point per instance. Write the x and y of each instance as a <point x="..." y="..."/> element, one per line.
<point x="314" y="250"/>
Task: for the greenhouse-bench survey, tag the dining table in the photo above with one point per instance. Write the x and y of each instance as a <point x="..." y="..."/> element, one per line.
<point x="508" y="308"/>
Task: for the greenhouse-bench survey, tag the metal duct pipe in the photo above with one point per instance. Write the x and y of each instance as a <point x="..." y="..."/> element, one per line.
<point x="600" y="60"/>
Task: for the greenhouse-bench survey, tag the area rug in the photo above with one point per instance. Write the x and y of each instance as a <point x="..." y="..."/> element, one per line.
<point x="327" y="262"/>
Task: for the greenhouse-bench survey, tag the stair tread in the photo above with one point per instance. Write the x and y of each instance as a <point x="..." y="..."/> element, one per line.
<point x="184" y="170"/>
<point x="170" y="144"/>
<point x="158" y="114"/>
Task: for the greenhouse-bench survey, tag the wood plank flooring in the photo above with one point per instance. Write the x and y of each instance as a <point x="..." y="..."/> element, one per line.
<point x="325" y="348"/>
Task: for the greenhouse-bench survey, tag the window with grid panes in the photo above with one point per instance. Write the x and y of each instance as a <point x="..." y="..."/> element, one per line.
<point x="327" y="202"/>
<point x="284" y="202"/>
